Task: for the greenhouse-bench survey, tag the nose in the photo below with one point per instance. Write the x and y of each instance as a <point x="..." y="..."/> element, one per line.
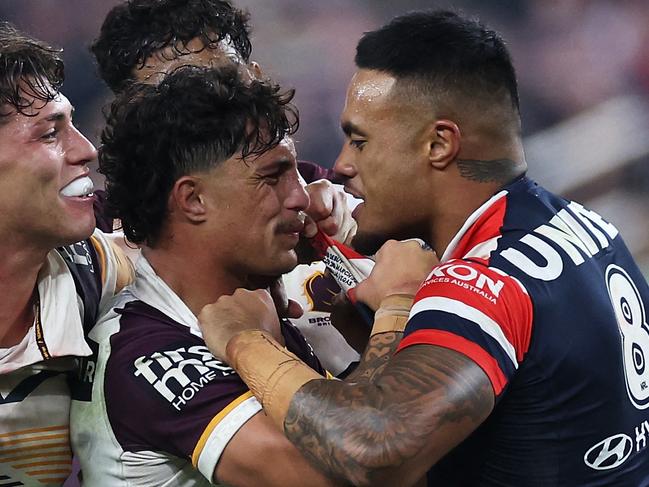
<point x="297" y="198"/>
<point x="80" y="150"/>
<point x="344" y="165"/>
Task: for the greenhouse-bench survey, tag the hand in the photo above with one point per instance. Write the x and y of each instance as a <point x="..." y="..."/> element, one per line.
<point x="348" y="321"/>
<point x="229" y="315"/>
<point x="400" y="268"/>
<point x="328" y="212"/>
<point x="286" y="308"/>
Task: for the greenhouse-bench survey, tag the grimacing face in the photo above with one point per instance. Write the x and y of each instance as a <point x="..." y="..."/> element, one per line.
<point x="381" y="157"/>
<point x="45" y="190"/>
<point x="255" y="207"/>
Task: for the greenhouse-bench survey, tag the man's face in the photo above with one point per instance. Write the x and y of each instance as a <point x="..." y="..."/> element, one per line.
<point x="381" y="157"/>
<point x="254" y="212"/>
<point x="194" y="53"/>
<point x="45" y="191"/>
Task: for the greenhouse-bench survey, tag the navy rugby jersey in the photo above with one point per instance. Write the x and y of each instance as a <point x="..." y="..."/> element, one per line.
<point x="545" y="297"/>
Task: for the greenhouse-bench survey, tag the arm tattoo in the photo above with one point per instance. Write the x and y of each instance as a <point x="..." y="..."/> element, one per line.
<point x="423" y="403"/>
<point x="496" y="170"/>
<point x="379" y="350"/>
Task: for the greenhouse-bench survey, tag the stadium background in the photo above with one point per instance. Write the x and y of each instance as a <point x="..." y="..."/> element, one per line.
<point x="583" y="68"/>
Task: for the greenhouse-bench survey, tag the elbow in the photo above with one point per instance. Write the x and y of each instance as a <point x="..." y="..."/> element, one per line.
<point x="372" y="464"/>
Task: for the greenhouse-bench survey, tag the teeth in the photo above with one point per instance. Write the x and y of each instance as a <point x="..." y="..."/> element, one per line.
<point x="79" y="187"/>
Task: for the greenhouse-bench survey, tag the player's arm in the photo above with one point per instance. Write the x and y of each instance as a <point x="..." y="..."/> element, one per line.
<point x="259" y="454"/>
<point x="391" y="430"/>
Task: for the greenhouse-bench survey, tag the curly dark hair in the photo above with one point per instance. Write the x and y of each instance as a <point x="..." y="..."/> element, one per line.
<point x="136" y="29"/>
<point x="30" y="71"/>
<point x="194" y="120"/>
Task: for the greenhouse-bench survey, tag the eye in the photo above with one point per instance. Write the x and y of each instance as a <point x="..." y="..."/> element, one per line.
<point x="357" y="143"/>
<point x="50" y="134"/>
<point x="273" y="178"/>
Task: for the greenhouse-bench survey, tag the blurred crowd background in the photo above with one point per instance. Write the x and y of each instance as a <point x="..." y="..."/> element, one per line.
<point x="583" y="69"/>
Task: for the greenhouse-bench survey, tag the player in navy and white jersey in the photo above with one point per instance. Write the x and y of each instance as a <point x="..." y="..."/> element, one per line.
<point x="523" y="359"/>
<point x="224" y="211"/>
<point x="56" y="274"/>
<point x="545" y="297"/>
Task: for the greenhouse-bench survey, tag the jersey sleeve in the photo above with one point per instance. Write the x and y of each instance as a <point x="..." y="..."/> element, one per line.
<point x="477" y="311"/>
<point x="166" y="392"/>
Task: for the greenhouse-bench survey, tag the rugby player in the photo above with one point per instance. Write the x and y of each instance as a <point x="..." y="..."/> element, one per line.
<point x="523" y="359"/>
<point x="56" y="273"/>
<point x="201" y="171"/>
<point x="142" y="40"/>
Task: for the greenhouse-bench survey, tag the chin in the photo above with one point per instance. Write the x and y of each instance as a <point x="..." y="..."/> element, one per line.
<point x="79" y="230"/>
<point x="282" y="264"/>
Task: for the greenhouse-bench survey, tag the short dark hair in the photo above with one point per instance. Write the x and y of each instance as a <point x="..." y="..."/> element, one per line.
<point x="441" y="49"/>
<point x="30" y="71"/>
<point x="136" y="29"/>
<point x="195" y="119"/>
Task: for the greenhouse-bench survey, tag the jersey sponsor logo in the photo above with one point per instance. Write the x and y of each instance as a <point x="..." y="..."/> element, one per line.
<point x="467" y="277"/>
<point x="609" y="453"/>
<point x="631" y="320"/>
<point x="580" y="234"/>
<point x="178" y="375"/>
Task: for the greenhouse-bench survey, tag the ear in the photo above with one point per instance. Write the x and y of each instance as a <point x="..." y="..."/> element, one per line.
<point x="186" y="196"/>
<point x="256" y="69"/>
<point x="444" y="139"/>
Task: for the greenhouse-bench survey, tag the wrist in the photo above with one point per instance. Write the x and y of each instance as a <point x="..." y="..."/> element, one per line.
<point x="392" y="314"/>
<point x="272" y="373"/>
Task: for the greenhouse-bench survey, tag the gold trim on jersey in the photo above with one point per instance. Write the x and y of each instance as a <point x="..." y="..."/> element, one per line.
<point x="38" y="330"/>
<point x="213" y="423"/>
<point x="46" y="451"/>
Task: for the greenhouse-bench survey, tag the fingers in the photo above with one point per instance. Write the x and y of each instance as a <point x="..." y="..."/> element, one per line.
<point x="328" y="210"/>
<point x="294" y="309"/>
<point x="321" y="195"/>
<point x="310" y="227"/>
<point x="400" y="268"/>
<point x="366" y="292"/>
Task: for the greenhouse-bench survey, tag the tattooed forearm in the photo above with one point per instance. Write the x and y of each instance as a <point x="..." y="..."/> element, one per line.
<point x="496" y="170"/>
<point x="377" y="353"/>
<point x="392" y="429"/>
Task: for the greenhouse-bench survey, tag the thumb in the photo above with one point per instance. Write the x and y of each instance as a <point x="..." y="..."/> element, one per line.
<point x="365" y="293"/>
<point x="293" y="309"/>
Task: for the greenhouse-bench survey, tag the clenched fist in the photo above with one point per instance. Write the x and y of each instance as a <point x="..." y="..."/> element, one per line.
<point x="229" y="315"/>
<point x="400" y="268"/>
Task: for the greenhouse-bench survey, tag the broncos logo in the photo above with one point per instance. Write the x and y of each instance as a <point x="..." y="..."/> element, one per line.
<point x="319" y="289"/>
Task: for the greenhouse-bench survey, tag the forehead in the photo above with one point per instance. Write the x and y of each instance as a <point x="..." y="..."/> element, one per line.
<point x="192" y="53"/>
<point x="283" y="152"/>
<point x="37" y="113"/>
<point x="369" y="92"/>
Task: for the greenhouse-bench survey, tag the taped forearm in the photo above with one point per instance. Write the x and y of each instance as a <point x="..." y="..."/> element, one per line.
<point x="272" y="373"/>
<point x="392" y="314"/>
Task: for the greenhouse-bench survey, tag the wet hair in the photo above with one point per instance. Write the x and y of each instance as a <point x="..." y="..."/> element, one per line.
<point x="137" y="29"/>
<point x="439" y="53"/>
<point x="191" y="122"/>
<point x="31" y="72"/>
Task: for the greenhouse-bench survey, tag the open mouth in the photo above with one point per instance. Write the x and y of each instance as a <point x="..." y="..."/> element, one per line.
<point x="79" y="188"/>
